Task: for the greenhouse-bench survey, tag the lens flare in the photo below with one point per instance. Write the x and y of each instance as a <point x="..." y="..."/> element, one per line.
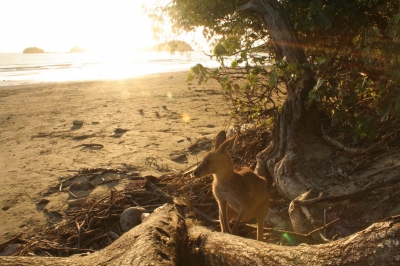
<point x="287" y="237"/>
<point x="185" y="118"/>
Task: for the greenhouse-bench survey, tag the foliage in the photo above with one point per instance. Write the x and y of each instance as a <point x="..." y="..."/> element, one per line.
<point x="351" y="47"/>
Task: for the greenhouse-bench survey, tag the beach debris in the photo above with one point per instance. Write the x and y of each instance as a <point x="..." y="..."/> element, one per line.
<point x="82" y="186"/>
<point x="99" y="217"/>
<point x="93" y="145"/>
<point x="131" y="217"/>
<point x="53" y="212"/>
<point x="165" y="108"/>
<point x="141" y="112"/>
<point x="153" y="179"/>
<point x="77" y="202"/>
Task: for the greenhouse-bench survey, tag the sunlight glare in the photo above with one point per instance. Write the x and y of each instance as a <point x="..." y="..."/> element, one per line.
<point x="57" y="26"/>
<point x="185" y="118"/>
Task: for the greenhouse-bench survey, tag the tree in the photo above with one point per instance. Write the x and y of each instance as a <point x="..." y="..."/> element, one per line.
<point x="335" y="61"/>
<point x="337" y="66"/>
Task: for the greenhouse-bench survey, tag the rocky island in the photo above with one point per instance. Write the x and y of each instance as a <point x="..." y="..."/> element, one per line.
<point x="173" y="46"/>
<point x="33" y="50"/>
<point x="77" y="49"/>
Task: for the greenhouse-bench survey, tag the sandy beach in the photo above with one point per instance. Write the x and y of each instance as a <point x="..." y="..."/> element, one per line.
<point x="51" y="130"/>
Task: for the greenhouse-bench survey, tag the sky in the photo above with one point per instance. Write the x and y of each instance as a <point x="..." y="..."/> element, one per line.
<point x="59" y="25"/>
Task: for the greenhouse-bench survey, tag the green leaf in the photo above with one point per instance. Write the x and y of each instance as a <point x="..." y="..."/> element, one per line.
<point x="386" y="113"/>
<point x="319" y="84"/>
<point x="274" y="77"/>
<point x="234" y="64"/>
<point x="190" y="77"/>
<point x="219" y="50"/>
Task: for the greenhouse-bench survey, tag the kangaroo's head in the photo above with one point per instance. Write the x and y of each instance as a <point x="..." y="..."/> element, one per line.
<point x="217" y="160"/>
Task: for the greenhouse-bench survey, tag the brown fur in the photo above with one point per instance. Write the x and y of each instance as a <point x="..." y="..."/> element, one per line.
<point x="241" y="194"/>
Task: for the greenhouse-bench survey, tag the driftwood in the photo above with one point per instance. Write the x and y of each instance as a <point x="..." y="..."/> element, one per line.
<point x="168" y="238"/>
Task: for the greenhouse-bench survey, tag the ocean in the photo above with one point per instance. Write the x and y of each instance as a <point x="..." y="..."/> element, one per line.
<point x="18" y="69"/>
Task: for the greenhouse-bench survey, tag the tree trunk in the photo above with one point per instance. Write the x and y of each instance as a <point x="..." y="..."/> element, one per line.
<point x="165" y="239"/>
<point x="294" y="124"/>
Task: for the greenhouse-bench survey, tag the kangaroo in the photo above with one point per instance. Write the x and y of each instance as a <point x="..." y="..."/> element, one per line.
<point x="241" y="194"/>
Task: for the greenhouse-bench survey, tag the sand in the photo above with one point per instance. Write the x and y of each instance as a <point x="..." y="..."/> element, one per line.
<point x="142" y="124"/>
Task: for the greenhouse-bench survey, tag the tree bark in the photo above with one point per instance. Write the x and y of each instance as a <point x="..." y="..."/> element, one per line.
<point x="167" y="238"/>
<point x="294" y="124"/>
<point x="377" y="245"/>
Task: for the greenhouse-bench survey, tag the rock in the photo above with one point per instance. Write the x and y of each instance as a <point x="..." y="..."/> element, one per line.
<point x="11" y="250"/>
<point x="77" y="123"/>
<point x="193" y="146"/>
<point x="178" y="157"/>
<point x="82" y="186"/>
<point x="42" y="201"/>
<point x="112" y="235"/>
<point x="201" y="143"/>
<point x="120" y="130"/>
<point x="131" y="217"/>
<point x="205" y="144"/>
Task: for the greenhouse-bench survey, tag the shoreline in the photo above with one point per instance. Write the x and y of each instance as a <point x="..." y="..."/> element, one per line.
<point x="4" y="84"/>
<point x="145" y="124"/>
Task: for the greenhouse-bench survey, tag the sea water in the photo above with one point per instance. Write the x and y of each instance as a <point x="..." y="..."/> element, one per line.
<point x="17" y="69"/>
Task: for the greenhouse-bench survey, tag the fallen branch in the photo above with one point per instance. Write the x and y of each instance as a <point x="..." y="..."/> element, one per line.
<point x="341" y="146"/>
<point x="371" y="186"/>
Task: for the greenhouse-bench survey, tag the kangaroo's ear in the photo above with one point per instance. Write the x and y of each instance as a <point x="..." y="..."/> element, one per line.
<point x="228" y="144"/>
<point x="221" y="137"/>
